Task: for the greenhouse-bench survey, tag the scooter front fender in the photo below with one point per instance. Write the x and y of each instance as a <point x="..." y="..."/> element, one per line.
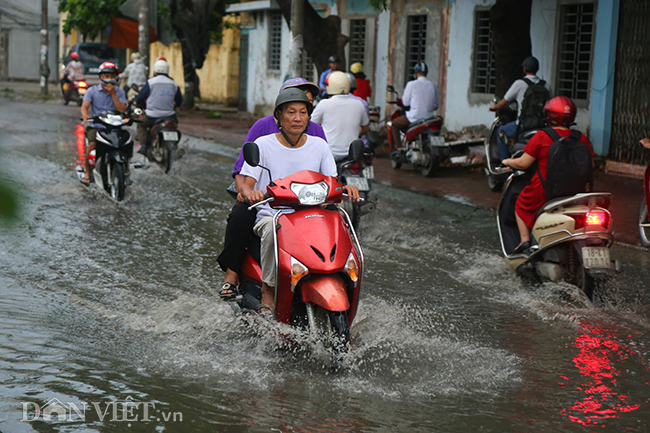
<point x="326" y="291"/>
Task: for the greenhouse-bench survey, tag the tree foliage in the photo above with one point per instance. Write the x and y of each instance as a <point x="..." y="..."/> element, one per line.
<point x="89" y="17"/>
<point x="197" y="23"/>
<point x="378" y="5"/>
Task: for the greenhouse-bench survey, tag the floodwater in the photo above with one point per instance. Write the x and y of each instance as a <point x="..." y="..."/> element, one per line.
<point x="109" y="311"/>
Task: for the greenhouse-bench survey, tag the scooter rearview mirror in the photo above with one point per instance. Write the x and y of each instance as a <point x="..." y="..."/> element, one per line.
<point x="390" y="88"/>
<point x="356" y="151"/>
<point x="251" y="154"/>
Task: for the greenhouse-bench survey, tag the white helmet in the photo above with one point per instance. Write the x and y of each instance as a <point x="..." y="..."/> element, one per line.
<point x="161" y="67"/>
<point x="337" y="83"/>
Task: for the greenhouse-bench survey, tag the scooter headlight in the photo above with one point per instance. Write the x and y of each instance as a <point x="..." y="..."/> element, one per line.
<point x="311" y="193"/>
<point x="113" y="120"/>
<point x="298" y="270"/>
<point x="352" y="268"/>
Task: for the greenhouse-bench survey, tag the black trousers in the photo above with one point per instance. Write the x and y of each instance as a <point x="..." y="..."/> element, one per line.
<point x="239" y="233"/>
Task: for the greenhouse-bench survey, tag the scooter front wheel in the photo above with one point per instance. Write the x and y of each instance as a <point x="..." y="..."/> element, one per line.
<point x="644" y="232"/>
<point x="331" y="327"/>
<point x="494" y="183"/>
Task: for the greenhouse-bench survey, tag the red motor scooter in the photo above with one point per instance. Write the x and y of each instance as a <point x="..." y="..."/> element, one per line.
<point x="318" y="257"/>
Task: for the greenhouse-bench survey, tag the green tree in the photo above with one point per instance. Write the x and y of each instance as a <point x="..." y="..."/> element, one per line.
<point x="89" y="17"/>
<point x="197" y="24"/>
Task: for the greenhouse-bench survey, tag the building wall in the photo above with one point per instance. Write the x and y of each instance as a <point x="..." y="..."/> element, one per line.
<point x="462" y="107"/>
<point x="264" y="84"/>
<point x="219" y="74"/>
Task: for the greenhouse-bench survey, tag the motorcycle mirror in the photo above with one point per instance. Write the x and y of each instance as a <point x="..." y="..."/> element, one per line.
<point x="390" y="88"/>
<point x="356" y="151"/>
<point x="251" y="154"/>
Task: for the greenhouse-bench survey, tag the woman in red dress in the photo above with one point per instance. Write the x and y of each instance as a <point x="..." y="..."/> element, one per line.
<point x="560" y="114"/>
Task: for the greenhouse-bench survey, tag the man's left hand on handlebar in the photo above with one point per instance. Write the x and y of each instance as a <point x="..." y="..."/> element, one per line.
<point x="352" y="191"/>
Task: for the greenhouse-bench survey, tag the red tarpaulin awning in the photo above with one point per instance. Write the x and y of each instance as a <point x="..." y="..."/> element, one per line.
<point x="124" y="33"/>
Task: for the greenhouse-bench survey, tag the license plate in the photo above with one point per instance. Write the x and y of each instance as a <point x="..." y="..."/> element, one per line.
<point x="170" y="135"/>
<point x="369" y="172"/>
<point x="593" y="257"/>
<point x="93" y="70"/>
<point x="359" y="182"/>
<point x="436" y="140"/>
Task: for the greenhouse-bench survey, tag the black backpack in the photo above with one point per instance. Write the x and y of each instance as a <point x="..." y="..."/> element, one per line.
<point x="532" y="106"/>
<point x="570" y="170"/>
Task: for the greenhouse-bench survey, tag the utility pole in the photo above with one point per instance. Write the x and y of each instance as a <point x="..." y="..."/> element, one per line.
<point x="297" y="25"/>
<point x="143" y="29"/>
<point x="45" y="69"/>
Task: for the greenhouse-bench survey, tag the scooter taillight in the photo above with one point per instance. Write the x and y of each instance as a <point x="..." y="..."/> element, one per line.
<point x="592" y="219"/>
<point x="355" y="168"/>
<point x="83" y="84"/>
<point x="368" y="157"/>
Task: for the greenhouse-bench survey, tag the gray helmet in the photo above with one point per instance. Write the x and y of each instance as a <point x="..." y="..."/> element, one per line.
<point x="421" y="67"/>
<point x="333" y="59"/>
<point x="291" y="94"/>
<point x="353" y="81"/>
<point x="531" y="64"/>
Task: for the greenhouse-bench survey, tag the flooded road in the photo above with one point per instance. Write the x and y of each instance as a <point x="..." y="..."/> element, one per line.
<point x="109" y="319"/>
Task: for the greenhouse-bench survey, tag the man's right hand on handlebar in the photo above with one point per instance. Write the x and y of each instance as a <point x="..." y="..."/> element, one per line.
<point x="254" y="196"/>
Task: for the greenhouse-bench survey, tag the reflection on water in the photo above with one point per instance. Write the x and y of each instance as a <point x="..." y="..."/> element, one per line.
<point x="600" y="362"/>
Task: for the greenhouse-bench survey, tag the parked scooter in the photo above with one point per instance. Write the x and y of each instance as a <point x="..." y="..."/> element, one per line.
<point x="360" y="174"/>
<point x="112" y="171"/>
<point x="318" y="257"/>
<point x="571" y="236"/>
<point x="74" y="91"/>
<point x="495" y="177"/>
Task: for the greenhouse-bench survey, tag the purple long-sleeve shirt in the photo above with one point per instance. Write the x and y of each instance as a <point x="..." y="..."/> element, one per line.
<point x="266" y="126"/>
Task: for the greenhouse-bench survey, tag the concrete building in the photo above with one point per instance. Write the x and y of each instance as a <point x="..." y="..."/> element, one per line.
<point x="20" y="39"/>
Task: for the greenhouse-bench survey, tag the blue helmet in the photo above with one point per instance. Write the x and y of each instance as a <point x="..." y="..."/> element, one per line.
<point x="420" y="67"/>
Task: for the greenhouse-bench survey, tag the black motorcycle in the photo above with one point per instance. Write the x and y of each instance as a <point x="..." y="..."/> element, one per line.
<point x="113" y="166"/>
<point x="360" y="174"/>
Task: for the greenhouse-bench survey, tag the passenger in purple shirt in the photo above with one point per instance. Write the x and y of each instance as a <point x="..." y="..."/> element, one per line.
<point x="239" y="228"/>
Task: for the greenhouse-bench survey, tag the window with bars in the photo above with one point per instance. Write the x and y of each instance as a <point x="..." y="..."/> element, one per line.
<point x="307" y="67"/>
<point x="357" y="41"/>
<point x="275" y="40"/>
<point x="577" y="25"/>
<point x="415" y="44"/>
<point x="484" y="73"/>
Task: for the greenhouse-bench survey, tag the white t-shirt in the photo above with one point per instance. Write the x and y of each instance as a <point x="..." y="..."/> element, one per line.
<point x="341" y="118"/>
<point x="518" y="89"/>
<point x="282" y="161"/>
<point x="424" y="98"/>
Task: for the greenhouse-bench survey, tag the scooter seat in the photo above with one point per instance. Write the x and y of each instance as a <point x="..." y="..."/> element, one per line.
<point x="421" y="122"/>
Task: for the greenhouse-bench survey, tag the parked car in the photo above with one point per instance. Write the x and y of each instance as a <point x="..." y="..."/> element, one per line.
<point x="93" y="54"/>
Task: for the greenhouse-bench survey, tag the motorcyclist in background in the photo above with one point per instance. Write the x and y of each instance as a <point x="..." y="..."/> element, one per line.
<point x="362" y="86"/>
<point x="422" y="96"/>
<point x="159" y="95"/>
<point x="74" y="71"/>
<point x="343" y="118"/>
<point x="134" y="73"/>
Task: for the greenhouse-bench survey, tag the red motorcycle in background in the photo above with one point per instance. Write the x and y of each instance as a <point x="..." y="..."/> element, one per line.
<point x="318" y="257"/>
<point x="421" y="146"/>
<point x="74" y="91"/>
